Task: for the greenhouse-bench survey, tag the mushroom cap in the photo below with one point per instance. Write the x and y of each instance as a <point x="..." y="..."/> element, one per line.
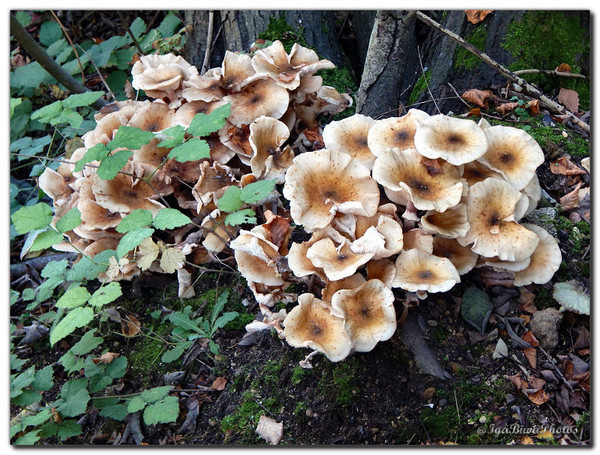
<point x="382" y="269"/>
<point x="237" y="139"/>
<point x="150" y="155"/>
<point x="186" y="113"/>
<point x="451" y="224"/>
<point x="380" y="234"/>
<point x="270" y="161"/>
<point x="236" y="71"/>
<point x="419" y="239"/>
<point x="429" y="189"/>
<point x="212" y="183"/>
<point x="311" y="324"/>
<point x="154" y="117"/>
<point x="498" y="264"/>
<point x="321" y="183"/>
<point x="513" y="153"/>
<point x="417" y="270"/>
<point x="368" y="312"/>
<point x="533" y="191"/>
<point x="299" y="263"/>
<point x="204" y="87"/>
<point x="491" y="206"/>
<point x="455" y="140"/>
<point x="161" y="75"/>
<point x="55" y="186"/>
<point x="256" y="258"/>
<point x="337" y="262"/>
<point x="395" y="132"/>
<point x="94" y="216"/>
<point x="216" y="233"/>
<point x="261" y="97"/>
<point x="462" y="257"/>
<point x="545" y="260"/>
<point x="106" y="128"/>
<point x="350" y="282"/>
<point x="350" y="135"/>
<point x="475" y="172"/>
<point x="308" y="84"/>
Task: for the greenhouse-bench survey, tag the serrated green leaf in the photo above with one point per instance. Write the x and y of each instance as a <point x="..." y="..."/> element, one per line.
<point x="69" y="220"/>
<point x="172" y="137"/>
<point x="192" y="150"/>
<point x="44" y="379"/>
<point x="74" y="297"/>
<point x="88" y="342"/>
<point x="28" y="439"/>
<point x="164" y="411"/>
<point x="136" y="219"/>
<point x="45" y="239"/>
<point x="99" y="382"/>
<point x="82" y="99"/>
<point x="48" y="113"/>
<point x="132" y="239"/>
<point x="112" y="164"/>
<point x="67" y="429"/>
<point x="69" y="116"/>
<point x="32" y="218"/>
<point x="20" y="381"/>
<point x="205" y="124"/>
<point x="106" y="294"/>
<point x="55" y="269"/>
<point x="246" y="216"/>
<point x="231" y="200"/>
<point x="75" y="404"/>
<point x="131" y="138"/>
<point x="169" y="25"/>
<point x="50" y="31"/>
<point x="155" y="394"/>
<point x="88" y="269"/>
<point x="257" y="191"/>
<point x="138" y="26"/>
<point x="115" y="412"/>
<point x="76" y="318"/>
<point x="37" y="419"/>
<point x="23" y="17"/>
<point x="167" y="219"/>
<point x="117" y="368"/>
<point x="135" y="404"/>
<point x="97" y="153"/>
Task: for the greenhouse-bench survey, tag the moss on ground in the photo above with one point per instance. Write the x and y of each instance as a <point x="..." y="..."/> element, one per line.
<point x="419" y="87"/>
<point x="465" y="60"/>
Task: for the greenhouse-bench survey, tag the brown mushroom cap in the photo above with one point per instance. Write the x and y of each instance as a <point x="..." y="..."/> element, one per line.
<point x="419" y="239"/>
<point x="513" y="153"/>
<point x="368" y="312"/>
<point x="429" y="190"/>
<point x="350" y="136"/>
<point x="161" y="75"/>
<point x="461" y="256"/>
<point x="452" y="223"/>
<point x="299" y="263"/>
<point x="533" y="191"/>
<point x="55" y="186"/>
<point x="493" y="232"/>
<point x="350" y="282"/>
<point x="382" y="269"/>
<point x="154" y="117"/>
<point x="545" y="260"/>
<point x="380" y="234"/>
<point x="186" y="113"/>
<point x="475" y="172"/>
<point x="455" y="140"/>
<point x="105" y="130"/>
<point x="395" y="132"/>
<point x="270" y="161"/>
<point x="236" y="71"/>
<point x="256" y="258"/>
<point x="321" y="183"/>
<point x="205" y="88"/>
<point x="337" y="262"/>
<point x="417" y="270"/>
<point x="262" y="97"/>
<point x="212" y="183"/>
<point x="311" y="324"/>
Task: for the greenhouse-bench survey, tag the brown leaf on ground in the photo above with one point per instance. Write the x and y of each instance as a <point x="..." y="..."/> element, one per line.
<point x="477" y="97"/>
<point x="219" y="384"/>
<point x="475" y="16"/>
<point x="539" y="397"/>
<point x="532" y="389"/>
<point x="531" y="356"/>
<point x="526" y="299"/>
<point x="569" y="98"/>
<point x="534" y="107"/>
<point x="507" y="107"/>
<point x="475" y="112"/>
<point x="564" y="166"/>
<point x="583" y="339"/>
<point x="107" y="357"/>
<point x="130" y="326"/>
<point x="563" y="68"/>
<point x="530" y="338"/>
<point x="270" y="430"/>
<point x="571" y="200"/>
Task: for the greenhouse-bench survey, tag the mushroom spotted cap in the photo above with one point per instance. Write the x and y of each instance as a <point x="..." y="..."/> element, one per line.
<point x="337" y="262"/>
<point x="455" y="140"/>
<point x="545" y="260"/>
<point x="261" y="97"/>
<point x="513" y="153"/>
<point x="270" y="160"/>
<point x="350" y="282"/>
<point x="452" y="223"/>
<point x="462" y="257"/>
<point x="256" y="257"/>
<point x="320" y="184"/>
<point x="395" y="132"/>
<point x="349" y="135"/>
<point x="368" y="312"/>
<point x="493" y="231"/>
<point x="417" y="270"/>
<point x="310" y="324"/>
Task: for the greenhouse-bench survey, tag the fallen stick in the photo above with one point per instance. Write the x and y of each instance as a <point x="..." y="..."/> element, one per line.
<point x="553" y="106"/>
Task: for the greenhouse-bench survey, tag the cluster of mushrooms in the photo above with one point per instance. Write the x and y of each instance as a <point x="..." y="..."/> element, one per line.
<point x="409" y="203"/>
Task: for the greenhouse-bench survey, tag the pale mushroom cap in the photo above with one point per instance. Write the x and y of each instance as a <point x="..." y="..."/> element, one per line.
<point x="321" y="183"/>
<point x="150" y="154"/>
<point x="545" y="260"/>
<point x="461" y="256"/>
<point x="417" y="270"/>
<point x="311" y="324"/>
<point x="475" y="172"/>
<point x="202" y="88"/>
<point x="493" y="232"/>
<point x="216" y="233"/>
<point x="396" y="170"/>
<point x="395" y="132"/>
<point x="55" y="186"/>
<point x="455" y="140"/>
<point x="382" y="269"/>
<point x="350" y="136"/>
<point x="255" y="257"/>
<point x="105" y="130"/>
<point x="236" y="71"/>
<point x="154" y="117"/>
<point x="263" y="97"/>
<point x="419" y="239"/>
<point x="161" y="75"/>
<point x="299" y="263"/>
<point x="350" y="282"/>
<point x="533" y="191"/>
<point x="94" y="216"/>
<point x="513" y="153"/>
<point x="337" y="262"/>
<point x="368" y="312"/>
<point x="452" y="223"/>
<point x="212" y="183"/>
<point x="269" y="160"/>
<point x="186" y="113"/>
<point x="386" y="227"/>
<point x="498" y="264"/>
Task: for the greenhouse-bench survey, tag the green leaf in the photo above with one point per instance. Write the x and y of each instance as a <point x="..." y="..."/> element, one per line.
<point x="155" y="394"/>
<point x="23" y="17"/>
<point x="112" y="164"/>
<point x="257" y="191"/>
<point x="167" y="219"/>
<point x="37" y="419"/>
<point x="32" y="218"/>
<point x="132" y="239"/>
<point x="173" y="354"/>
<point x="69" y="220"/>
<point x="70" y="362"/>
<point x="88" y="269"/>
<point x="45" y="239"/>
<point x="30" y="76"/>
<point x="136" y="219"/>
<point x="192" y="150"/>
<point x="115" y="412"/>
<point x="135" y="404"/>
<point x="476" y="308"/>
<point x="169" y="25"/>
<point x="87" y="343"/>
<point x="130" y="138"/>
<point x="205" y="124"/>
<point x="225" y="319"/>
<point x="82" y="99"/>
<point x="164" y="411"/>
<point x="28" y="439"/>
<point x="67" y="429"/>
<point x="231" y="200"/>
<point x="55" y="269"/>
<point x="69" y="116"/>
<point x="97" y="153"/>
<point x="19" y="382"/>
<point x="75" y="404"/>
<point x="106" y="294"/>
<point x="74" y="297"/>
<point x="44" y="379"/>
<point x="182" y="320"/>
<point x="50" y="31"/>
<point x="172" y="136"/>
<point x="48" y="113"/>
<point x="219" y="306"/>
<point x="117" y="368"/>
<point x="246" y="216"/>
<point x="77" y="317"/>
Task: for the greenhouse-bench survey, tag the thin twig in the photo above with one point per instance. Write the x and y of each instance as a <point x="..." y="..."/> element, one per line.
<point x="126" y="25"/>
<point x="206" y="62"/>
<point x="425" y="79"/>
<point x="554" y="72"/>
<point x="64" y="30"/>
<point x="458" y="96"/>
<point x="99" y="73"/>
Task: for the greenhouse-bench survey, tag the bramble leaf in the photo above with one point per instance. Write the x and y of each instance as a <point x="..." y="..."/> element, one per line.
<point x="31" y="218"/>
<point x="164" y="411"/>
<point x="257" y="191"/>
<point x="172" y="137"/>
<point x="231" y="200"/>
<point x="77" y="317"/>
<point x="131" y="138"/>
<point x="74" y="297"/>
<point x="136" y="219"/>
<point x="106" y="294"/>
<point x="192" y="150"/>
<point x="69" y="220"/>
<point x="97" y="153"/>
<point x="112" y="164"/>
<point x="246" y="216"/>
<point x="170" y="219"/>
<point x="132" y="239"/>
<point x="204" y="124"/>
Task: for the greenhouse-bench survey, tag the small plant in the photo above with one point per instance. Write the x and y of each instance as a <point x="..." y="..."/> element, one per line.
<point x="235" y="197"/>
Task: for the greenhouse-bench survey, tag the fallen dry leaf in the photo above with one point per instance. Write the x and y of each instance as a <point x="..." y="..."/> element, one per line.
<point x="531" y="356"/>
<point x="539" y="397"/>
<point x="569" y="98"/>
<point x="563" y="68"/>
<point x="527" y="299"/>
<point x="107" y="357"/>
<point x="545" y="434"/>
<point x="534" y="107"/>
<point x="571" y="200"/>
<point x="527" y="440"/>
<point x="565" y="166"/>
<point x="507" y="107"/>
<point x="532" y="389"/>
<point x="475" y="112"/>
<point x="270" y="430"/>
<point x="130" y="326"/>
<point x="475" y="16"/>
<point x="477" y="97"/>
<point x="219" y="384"/>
